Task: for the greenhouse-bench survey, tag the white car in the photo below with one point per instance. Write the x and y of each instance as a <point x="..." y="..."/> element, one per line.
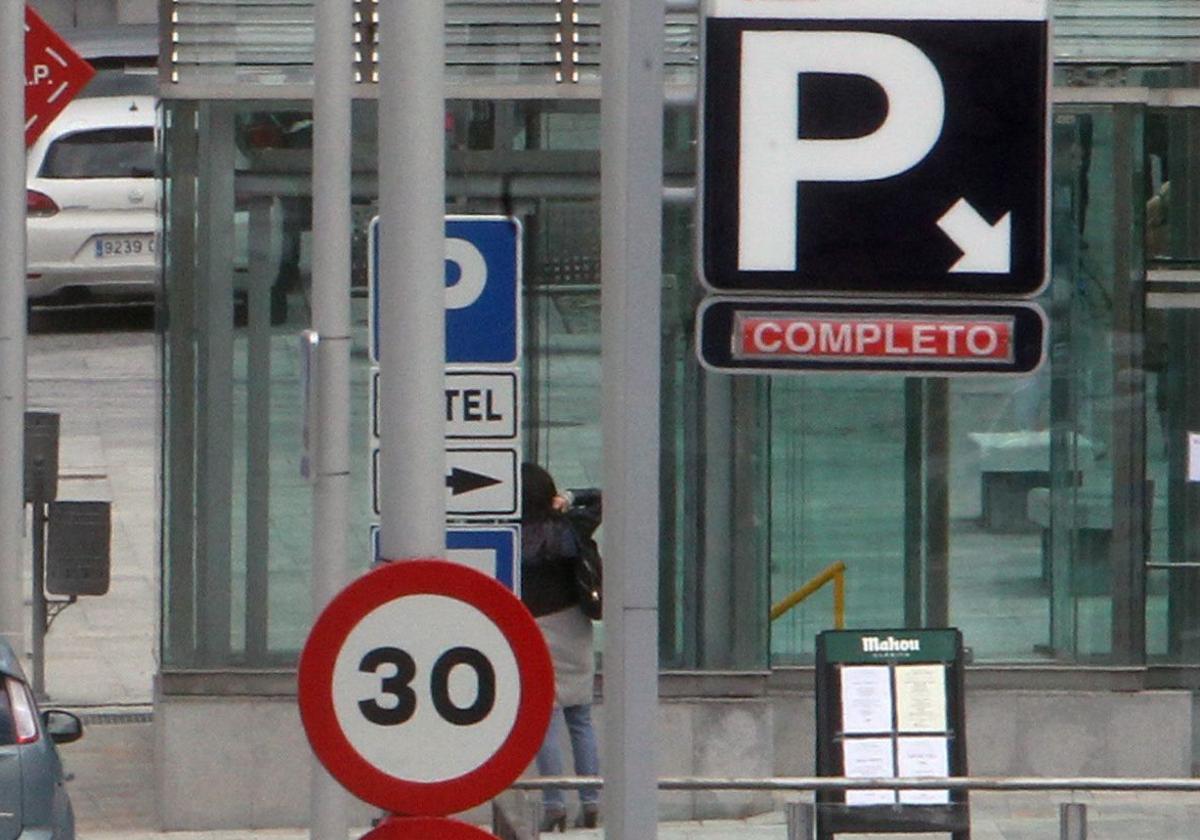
<point x="92" y="201"/>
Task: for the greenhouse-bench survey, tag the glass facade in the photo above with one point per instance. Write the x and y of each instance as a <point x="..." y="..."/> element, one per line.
<point x="1050" y="517"/>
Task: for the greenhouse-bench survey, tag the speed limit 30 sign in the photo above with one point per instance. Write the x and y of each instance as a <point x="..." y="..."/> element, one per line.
<point x="425" y="687"/>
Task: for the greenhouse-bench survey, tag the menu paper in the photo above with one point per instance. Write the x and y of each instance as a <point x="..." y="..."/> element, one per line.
<point x="921" y="698"/>
<point x="919" y="758"/>
<point x="868" y="758"/>
<point x="866" y="699"/>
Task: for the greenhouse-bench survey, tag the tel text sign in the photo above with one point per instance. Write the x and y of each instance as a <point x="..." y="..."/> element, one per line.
<point x="875" y="147"/>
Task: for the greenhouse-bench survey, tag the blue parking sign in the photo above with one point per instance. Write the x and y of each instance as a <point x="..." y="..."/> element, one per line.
<point x="483" y="276"/>
<point x="494" y="550"/>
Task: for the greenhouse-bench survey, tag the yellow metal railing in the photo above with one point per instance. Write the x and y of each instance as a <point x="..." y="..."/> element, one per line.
<point x="835" y="573"/>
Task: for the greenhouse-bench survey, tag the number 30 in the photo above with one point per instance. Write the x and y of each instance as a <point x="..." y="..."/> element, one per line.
<point x="398" y="686"/>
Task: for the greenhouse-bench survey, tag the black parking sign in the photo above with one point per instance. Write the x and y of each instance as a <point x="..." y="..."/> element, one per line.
<point x="873" y="147"/>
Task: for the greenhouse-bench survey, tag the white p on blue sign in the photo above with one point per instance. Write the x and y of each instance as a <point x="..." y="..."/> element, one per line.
<point x="483" y="276"/>
<point x="492" y="549"/>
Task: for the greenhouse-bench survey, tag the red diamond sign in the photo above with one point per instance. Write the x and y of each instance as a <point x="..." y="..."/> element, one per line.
<point x="54" y="73"/>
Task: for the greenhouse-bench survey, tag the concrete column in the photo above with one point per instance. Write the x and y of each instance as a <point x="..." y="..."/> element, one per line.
<point x="631" y="117"/>
<point x="12" y="321"/>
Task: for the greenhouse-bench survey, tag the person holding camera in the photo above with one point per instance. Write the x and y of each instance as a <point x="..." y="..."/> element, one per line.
<point x="550" y="546"/>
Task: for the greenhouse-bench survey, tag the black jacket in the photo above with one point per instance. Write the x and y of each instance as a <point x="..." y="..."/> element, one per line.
<point x="548" y="551"/>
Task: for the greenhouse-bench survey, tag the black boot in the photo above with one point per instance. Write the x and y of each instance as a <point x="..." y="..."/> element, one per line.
<point x="589" y="815"/>
<point x="553" y="817"/>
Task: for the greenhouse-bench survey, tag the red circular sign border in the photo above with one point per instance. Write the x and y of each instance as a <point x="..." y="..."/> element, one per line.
<point x="423" y="828"/>
<point x="425" y="576"/>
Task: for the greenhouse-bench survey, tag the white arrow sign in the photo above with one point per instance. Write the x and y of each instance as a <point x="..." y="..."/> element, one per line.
<point x="987" y="248"/>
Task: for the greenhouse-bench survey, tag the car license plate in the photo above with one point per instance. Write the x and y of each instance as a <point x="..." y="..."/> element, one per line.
<point x="115" y="247"/>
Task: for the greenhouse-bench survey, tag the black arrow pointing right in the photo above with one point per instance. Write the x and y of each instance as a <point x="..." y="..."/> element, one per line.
<point x="464" y="481"/>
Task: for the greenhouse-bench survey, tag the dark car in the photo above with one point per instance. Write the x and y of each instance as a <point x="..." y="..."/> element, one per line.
<point x="33" y="794"/>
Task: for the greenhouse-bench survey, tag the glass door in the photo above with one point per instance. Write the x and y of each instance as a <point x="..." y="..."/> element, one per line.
<point x="1173" y="370"/>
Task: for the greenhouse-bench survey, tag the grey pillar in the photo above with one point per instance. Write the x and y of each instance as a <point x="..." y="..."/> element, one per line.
<point x="332" y="228"/>
<point x="215" y="374"/>
<point x="631" y="117"/>
<point x="412" y="279"/>
<point x="180" y="371"/>
<point x="1072" y="821"/>
<point x="937" y="503"/>
<point x="264" y="262"/>
<point x="1129" y="499"/>
<point x="801" y="820"/>
<point x="12" y="321"/>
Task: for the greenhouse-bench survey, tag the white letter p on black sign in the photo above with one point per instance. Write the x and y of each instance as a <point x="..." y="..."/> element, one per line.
<point x="848" y="151"/>
<point x="773" y="159"/>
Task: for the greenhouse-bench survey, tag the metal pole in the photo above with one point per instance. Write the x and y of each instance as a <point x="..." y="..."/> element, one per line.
<point x="12" y="320"/>
<point x="332" y="138"/>
<point x="1174" y="784"/>
<point x="937" y="503"/>
<point x="631" y="114"/>
<point x="1072" y="821"/>
<point x="412" y="308"/>
<point x="914" y="500"/>
<point x="801" y="819"/>
<point x="39" y="599"/>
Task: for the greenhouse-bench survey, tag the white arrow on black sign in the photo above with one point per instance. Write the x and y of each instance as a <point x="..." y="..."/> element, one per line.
<point x="987" y="248"/>
<point x="840" y="139"/>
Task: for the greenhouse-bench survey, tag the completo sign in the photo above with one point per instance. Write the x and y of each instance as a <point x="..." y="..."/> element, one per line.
<point x="54" y="73"/>
<point x="872" y="337"/>
<point x="755" y="335"/>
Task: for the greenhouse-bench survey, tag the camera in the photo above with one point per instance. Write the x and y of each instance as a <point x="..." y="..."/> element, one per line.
<point x="587" y="497"/>
<point x="584" y="508"/>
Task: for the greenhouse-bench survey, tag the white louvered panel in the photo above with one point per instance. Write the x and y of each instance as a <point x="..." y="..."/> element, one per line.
<point x="546" y="41"/>
<point x="1127" y="31"/>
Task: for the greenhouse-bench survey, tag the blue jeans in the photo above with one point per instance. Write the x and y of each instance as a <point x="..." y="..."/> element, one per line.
<point x="583" y="748"/>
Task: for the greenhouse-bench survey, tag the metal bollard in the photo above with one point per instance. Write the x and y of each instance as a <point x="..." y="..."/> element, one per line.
<point x="1072" y="821"/>
<point x="800" y="819"/>
<point x="535" y="809"/>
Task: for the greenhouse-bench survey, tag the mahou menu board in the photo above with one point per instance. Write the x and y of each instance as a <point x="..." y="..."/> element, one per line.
<point x="890" y="705"/>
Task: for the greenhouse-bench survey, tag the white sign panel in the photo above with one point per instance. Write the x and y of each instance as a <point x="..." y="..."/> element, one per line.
<point x="481" y="405"/>
<point x="482" y="482"/>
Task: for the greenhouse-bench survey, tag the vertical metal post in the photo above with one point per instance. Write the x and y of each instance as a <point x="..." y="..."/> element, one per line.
<point x="1072" y="821"/>
<point x="716" y="607"/>
<point x="412" y="272"/>
<point x="12" y="319"/>
<point x="800" y="820"/>
<point x="937" y="499"/>
<point x="533" y="813"/>
<point x="214" y="485"/>
<point x="264" y="262"/>
<point x="914" y="500"/>
<point x="631" y="117"/>
<point x="1128" y="547"/>
<point x="39" y="599"/>
<point x="180" y="281"/>
<point x="331" y="224"/>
